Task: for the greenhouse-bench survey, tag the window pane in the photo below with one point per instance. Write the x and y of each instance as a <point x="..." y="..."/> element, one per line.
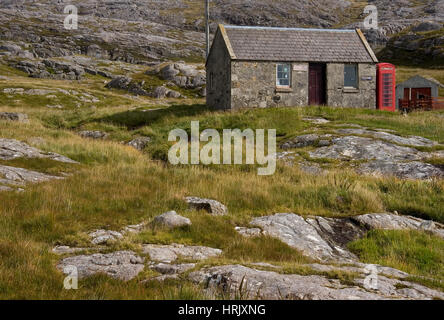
<point x="351" y="75"/>
<point x="283" y="75"/>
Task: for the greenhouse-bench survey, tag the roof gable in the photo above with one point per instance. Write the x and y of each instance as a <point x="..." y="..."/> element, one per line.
<point x="421" y="79"/>
<point x="298" y="44"/>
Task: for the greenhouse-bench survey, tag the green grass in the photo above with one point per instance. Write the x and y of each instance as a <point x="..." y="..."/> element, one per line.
<point x="115" y="186"/>
<point x="416" y="253"/>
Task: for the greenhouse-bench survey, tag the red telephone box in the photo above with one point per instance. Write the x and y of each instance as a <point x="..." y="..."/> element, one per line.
<point x="386" y="87"/>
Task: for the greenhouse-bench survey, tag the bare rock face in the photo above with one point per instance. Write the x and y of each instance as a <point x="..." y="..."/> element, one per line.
<point x="93" y="134"/>
<point x="162" y="92"/>
<point x="236" y="280"/>
<point x="14" y="116"/>
<point x="104" y="236"/>
<point x="66" y="250"/>
<point x="305" y="236"/>
<point x="211" y="206"/>
<point x="316" y="120"/>
<point x="139" y="143"/>
<point x="413" y="141"/>
<point x="171" y="220"/>
<point x="405" y="170"/>
<point x="388" y="221"/>
<point x="19" y="176"/>
<point x="326" y="239"/>
<point x="122" y="265"/>
<point x="360" y="148"/>
<point x="306" y="140"/>
<point x="165" y="268"/>
<point x="249" y="232"/>
<point x="12" y="149"/>
<point x="170" y="253"/>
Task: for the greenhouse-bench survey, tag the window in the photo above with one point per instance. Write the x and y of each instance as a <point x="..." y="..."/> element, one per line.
<point x="351" y="76"/>
<point x="283" y="77"/>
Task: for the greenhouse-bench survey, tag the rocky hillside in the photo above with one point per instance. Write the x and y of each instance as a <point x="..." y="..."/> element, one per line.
<point x="149" y="30"/>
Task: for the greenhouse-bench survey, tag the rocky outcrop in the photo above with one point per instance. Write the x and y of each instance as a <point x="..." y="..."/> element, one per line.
<point x="171" y="220"/>
<point x="405" y="170"/>
<point x="139" y="143"/>
<point x="162" y="92"/>
<point x="12" y="149"/>
<point x="413" y="141"/>
<point x="182" y="75"/>
<point x="238" y="281"/>
<point x="122" y="265"/>
<point x="104" y="236"/>
<point x="170" y="253"/>
<point x="50" y="69"/>
<point x="326" y="239"/>
<point x="14" y="116"/>
<point x="127" y="84"/>
<point x="16" y="177"/>
<point x="211" y="206"/>
<point x="96" y="135"/>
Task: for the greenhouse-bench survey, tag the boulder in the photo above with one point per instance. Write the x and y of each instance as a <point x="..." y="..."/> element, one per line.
<point x="171" y="220"/>
<point x="13" y="116"/>
<point x="121" y="265"/>
<point x="99" y="237"/>
<point x="211" y="206"/>
<point x="139" y="143"/>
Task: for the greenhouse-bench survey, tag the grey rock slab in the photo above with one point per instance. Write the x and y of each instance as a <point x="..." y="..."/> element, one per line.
<point x="387" y="221"/>
<point x="171" y="220"/>
<point x="211" y="206"/>
<point x="360" y="148"/>
<point x="269" y="285"/>
<point x="170" y="253"/>
<point x="295" y="231"/>
<point x="166" y="268"/>
<point x="14" y="116"/>
<point x="414" y="141"/>
<point x="12" y="149"/>
<point x="66" y="250"/>
<point x="104" y="236"/>
<point x="139" y="143"/>
<point x="122" y="265"/>
<point x="19" y="176"/>
<point x="316" y="120"/>
<point x="249" y="232"/>
<point x="93" y="134"/>
<point x="405" y="170"/>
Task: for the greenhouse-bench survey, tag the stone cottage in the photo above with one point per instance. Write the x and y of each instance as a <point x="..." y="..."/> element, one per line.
<point x="260" y="67"/>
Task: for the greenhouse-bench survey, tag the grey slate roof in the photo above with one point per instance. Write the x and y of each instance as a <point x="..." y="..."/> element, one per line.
<point x="297" y="44"/>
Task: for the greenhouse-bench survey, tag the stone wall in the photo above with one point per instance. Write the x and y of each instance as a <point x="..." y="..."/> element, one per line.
<point x="362" y="97"/>
<point x="218" y="75"/>
<point x="253" y="85"/>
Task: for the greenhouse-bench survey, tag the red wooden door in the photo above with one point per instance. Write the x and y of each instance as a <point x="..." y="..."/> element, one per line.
<point x="316" y="84"/>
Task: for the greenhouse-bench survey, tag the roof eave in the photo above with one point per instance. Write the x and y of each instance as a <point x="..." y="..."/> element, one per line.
<point x="366" y="45"/>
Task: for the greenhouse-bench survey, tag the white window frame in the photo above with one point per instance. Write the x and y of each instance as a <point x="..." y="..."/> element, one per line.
<point x="278" y="84"/>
